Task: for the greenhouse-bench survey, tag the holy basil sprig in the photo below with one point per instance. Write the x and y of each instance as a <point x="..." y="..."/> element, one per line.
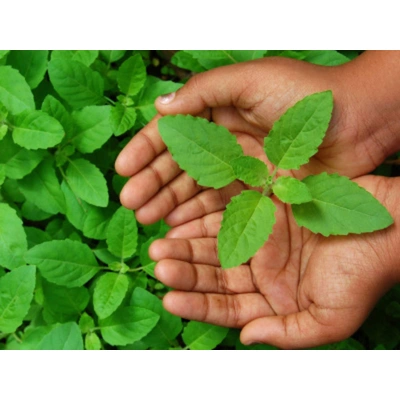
<point x="328" y="204"/>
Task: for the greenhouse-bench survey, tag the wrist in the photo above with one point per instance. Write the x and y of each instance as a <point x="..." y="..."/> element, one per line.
<point x="372" y="84"/>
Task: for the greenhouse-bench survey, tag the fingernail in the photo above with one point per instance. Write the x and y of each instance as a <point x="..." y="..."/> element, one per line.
<point x="166" y="98"/>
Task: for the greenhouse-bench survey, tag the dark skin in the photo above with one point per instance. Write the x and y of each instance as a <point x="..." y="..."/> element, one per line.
<point x="300" y="289"/>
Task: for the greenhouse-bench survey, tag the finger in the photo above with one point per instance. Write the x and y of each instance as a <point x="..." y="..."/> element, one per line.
<point x="143" y="148"/>
<point x="207" y="226"/>
<point x="169" y="197"/>
<point x="206" y="202"/>
<point x="219" y="87"/>
<point x="204" y="278"/>
<point x="305" y="329"/>
<point x="147" y="182"/>
<point x="232" y="311"/>
<point x="196" y="251"/>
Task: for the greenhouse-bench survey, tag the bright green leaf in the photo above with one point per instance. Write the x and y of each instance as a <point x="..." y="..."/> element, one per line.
<point x="76" y="83"/>
<point x="36" y="130"/>
<point x="250" y="170"/>
<point x="93" y="128"/>
<point x="43" y="188"/>
<point x="109" y="292"/>
<point x="168" y="326"/>
<point x="86" y="323"/>
<point x="56" y="109"/>
<point x="86" y="57"/>
<point x="32" y="64"/>
<point x="128" y="325"/>
<point x="339" y="207"/>
<point x="112" y="55"/>
<point x="122" y="119"/>
<point x="17" y="160"/>
<point x="16" y="293"/>
<point x="63" y="337"/>
<point x="92" y="341"/>
<point x="183" y="59"/>
<point x="202" y="336"/>
<point x="291" y="190"/>
<point x="96" y="223"/>
<point x="131" y="75"/>
<point x="295" y="137"/>
<point x="201" y="148"/>
<point x="247" y="222"/>
<point x="87" y="182"/>
<point x="64" y="262"/>
<point x="122" y="233"/>
<point x="13" y="244"/>
<point x="15" y="93"/>
<point x="153" y="88"/>
<point x="35" y="236"/>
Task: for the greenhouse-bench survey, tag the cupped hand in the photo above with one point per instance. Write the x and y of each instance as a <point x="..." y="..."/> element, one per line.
<point x="300" y="289"/>
<point x="246" y="98"/>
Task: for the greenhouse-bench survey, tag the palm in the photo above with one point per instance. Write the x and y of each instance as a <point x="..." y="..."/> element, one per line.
<point x="316" y="289"/>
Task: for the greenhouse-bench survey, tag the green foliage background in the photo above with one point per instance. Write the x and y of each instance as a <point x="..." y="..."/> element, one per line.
<point x="74" y="268"/>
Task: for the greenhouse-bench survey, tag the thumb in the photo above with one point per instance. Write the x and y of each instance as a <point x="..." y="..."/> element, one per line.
<point x="215" y="88"/>
<point x="295" y="331"/>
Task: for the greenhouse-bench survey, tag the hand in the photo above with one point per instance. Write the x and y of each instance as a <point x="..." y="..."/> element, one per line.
<point x="300" y="290"/>
<point x="247" y="98"/>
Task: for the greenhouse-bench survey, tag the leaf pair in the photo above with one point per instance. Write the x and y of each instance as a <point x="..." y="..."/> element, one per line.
<point x="326" y="204"/>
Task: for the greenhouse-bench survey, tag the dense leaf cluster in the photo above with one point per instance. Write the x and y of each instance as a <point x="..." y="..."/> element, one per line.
<point x="74" y="268"/>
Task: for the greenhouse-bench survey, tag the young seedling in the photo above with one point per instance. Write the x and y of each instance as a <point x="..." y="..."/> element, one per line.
<point x="328" y="204"/>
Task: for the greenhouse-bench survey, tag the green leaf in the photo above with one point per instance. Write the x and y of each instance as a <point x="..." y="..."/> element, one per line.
<point x="16" y="294"/>
<point x="3" y="131"/>
<point x="2" y="173"/>
<point x="64" y="262"/>
<point x="86" y="323"/>
<point x="127" y="325"/>
<point x="93" y="128"/>
<point x="291" y="190"/>
<point x="122" y="233"/>
<point x="131" y="75"/>
<point x="35" y="236"/>
<point x="96" y="223"/>
<point x="168" y="326"/>
<point x="13" y="244"/>
<point x="15" y="93"/>
<point x="246" y="224"/>
<point x="112" y="55"/>
<point x="109" y="292"/>
<point x="295" y="137"/>
<point x="153" y="88"/>
<point x="202" y="336"/>
<point x="319" y="57"/>
<point x="56" y="109"/>
<point x="201" y="148"/>
<point x="43" y="188"/>
<point x="250" y="170"/>
<point x="17" y="160"/>
<point x="63" y="337"/>
<point x="64" y="304"/>
<point x="36" y="130"/>
<point x="339" y="207"/>
<point x="87" y="182"/>
<point x="122" y="119"/>
<point x="33" y="213"/>
<point x="183" y="59"/>
<point x="92" y="341"/>
<point x="32" y="64"/>
<point x="76" y="83"/>
<point x="76" y="209"/>
<point x="86" y="57"/>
